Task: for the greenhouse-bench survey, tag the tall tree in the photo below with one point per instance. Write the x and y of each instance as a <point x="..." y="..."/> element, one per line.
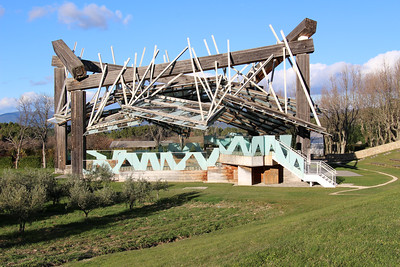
<point x="42" y="107"/>
<point x="340" y="106"/>
<point x="16" y="134"/>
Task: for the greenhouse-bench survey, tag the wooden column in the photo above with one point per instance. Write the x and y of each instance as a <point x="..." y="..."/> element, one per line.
<point x="302" y="106"/>
<point x="60" y="159"/>
<point x="78" y="125"/>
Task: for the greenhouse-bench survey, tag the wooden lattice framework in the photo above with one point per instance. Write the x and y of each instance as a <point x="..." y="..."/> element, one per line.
<point x="184" y="94"/>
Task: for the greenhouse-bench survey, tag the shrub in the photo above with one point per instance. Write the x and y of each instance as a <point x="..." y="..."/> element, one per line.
<point x="30" y="162"/>
<point x="6" y="163"/>
<point x="88" y="193"/>
<point x="160" y="185"/>
<point x="22" y="196"/>
<point x="82" y="197"/>
<point x="136" y="191"/>
<point x="102" y="173"/>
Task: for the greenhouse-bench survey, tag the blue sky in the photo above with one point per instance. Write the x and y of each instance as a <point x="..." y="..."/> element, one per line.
<point x="348" y="32"/>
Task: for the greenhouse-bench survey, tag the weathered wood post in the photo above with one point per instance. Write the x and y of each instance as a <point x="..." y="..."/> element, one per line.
<point x="302" y="106"/>
<point x="78" y="126"/>
<point x="78" y="105"/>
<point x="60" y="160"/>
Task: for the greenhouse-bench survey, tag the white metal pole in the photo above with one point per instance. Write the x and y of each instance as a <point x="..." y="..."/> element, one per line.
<point x="284" y="77"/>
<point x="195" y="81"/>
<point x="141" y="59"/>
<point x="208" y="49"/>
<point x="112" y="53"/>
<point x="215" y="44"/>
<point x="301" y="80"/>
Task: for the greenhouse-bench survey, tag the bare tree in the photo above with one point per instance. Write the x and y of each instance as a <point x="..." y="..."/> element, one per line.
<point x="380" y="105"/>
<point x="42" y="106"/>
<point x="17" y="133"/>
<point x="158" y="133"/>
<point x="340" y="106"/>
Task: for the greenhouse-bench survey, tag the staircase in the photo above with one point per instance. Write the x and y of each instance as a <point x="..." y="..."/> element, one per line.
<point x="311" y="171"/>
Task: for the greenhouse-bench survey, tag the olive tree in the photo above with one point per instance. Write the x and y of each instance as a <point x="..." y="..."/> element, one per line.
<point x="22" y="196"/>
<point x="136" y="191"/>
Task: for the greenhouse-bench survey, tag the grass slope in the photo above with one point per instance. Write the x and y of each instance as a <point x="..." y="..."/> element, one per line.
<point x="222" y="225"/>
<point x="313" y="228"/>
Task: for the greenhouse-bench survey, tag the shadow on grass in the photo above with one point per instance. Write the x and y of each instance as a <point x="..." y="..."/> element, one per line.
<point x="348" y="165"/>
<point x="73" y="228"/>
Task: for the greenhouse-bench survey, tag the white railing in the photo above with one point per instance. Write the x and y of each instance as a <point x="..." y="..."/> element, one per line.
<point x="314" y="166"/>
<point x="322" y="169"/>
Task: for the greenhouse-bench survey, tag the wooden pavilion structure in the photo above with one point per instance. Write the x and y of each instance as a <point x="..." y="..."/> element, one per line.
<point x="184" y="94"/>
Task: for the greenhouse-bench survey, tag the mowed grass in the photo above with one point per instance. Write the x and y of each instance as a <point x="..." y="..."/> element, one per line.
<point x="312" y="228"/>
<point x="221" y="225"/>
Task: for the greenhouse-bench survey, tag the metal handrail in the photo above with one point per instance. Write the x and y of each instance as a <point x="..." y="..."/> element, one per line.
<point x="320" y="165"/>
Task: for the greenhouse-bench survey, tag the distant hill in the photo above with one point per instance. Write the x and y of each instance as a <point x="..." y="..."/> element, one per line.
<point x="9" y="117"/>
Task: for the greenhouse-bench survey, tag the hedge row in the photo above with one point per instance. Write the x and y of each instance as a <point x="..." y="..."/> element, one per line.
<point x="26" y="162"/>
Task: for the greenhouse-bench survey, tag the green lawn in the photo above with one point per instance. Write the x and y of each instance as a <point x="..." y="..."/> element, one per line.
<point x="222" y="225"/>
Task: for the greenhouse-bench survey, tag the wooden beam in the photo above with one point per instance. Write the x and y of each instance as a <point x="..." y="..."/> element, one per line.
<point x="90" y="66"/>
<point x="303" y="142"/>
<point x="78" y="126"/>
<point x="306" y="28"/>
<point x="60" y="130"/>
<point x="207" y="63"/>
<point x="69" y="60"/>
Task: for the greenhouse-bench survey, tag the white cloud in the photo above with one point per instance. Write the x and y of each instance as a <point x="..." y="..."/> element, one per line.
<point x="321" y="73"/>
<point x="90" y="16"/>
<point x="377" y="63"/>
<point x="8" y="104"/>
<point x="127" y="19"/>
<point x="28" y="96"/>
<point x="2" y="11"/>
<point x="38" y="12"/>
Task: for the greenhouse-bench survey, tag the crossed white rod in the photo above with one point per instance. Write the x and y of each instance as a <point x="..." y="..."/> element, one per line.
<point x="195" y="80"/>
<point x="206" y="88"/>
<point x="97" y="95"/>
<point x="143" y="78"/>
<point x="261" y="89"/>
<point x="134" y="76"/>
<point x="284" y="65"/>
<point x="272" y="90"/>
<point x="245" y="77"/>
<point x="124" y="89"/>
<point x="217" y="82"/>
<point x="152" y="68"/>
<point x="162" y="73"/>
<point x="229" y="67"/>
<point x="166" y="85"/>
<point x="284" y="77"/>
<point x="254" y="74"/>
<point x="105" y="98"/>
<point x="226" y="91"/>
<point x="301" y="80"/>
<point x="208" y="49"/>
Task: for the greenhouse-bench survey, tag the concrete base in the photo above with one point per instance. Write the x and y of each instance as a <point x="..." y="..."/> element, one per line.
<point x="245" y="176"/>
<point x="248" y="161"/>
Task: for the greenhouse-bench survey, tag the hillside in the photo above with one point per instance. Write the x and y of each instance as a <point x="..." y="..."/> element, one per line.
<point x="9" y="117"/>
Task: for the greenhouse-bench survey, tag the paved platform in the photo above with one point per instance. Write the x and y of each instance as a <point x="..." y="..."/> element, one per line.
<point x="347" y="173"/>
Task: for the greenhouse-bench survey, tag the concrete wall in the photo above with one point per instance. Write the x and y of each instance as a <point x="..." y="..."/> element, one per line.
<point x="377" y="150"/>
<point x="170" y="176"/>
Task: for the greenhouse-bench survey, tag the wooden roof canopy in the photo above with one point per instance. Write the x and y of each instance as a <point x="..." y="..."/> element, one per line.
<point x="178" y="94"/>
